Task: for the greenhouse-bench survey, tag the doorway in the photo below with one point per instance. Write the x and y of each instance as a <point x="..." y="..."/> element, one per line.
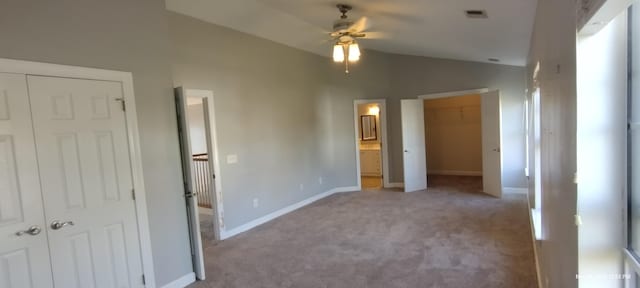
<point x="453" y="138"/>
<point x="199" y="162"/>
<point x="371" y="144"/>
<point x="444" y="116"/>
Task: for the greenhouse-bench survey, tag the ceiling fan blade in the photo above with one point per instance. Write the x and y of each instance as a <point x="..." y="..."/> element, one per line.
<point x="360" y="26"/>
<point x="335" y="34"/>
<point x="377" y="35"/>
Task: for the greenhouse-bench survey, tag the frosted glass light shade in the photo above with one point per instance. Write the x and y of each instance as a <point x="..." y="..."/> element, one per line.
<point x="338" y="53"/>
<point x="354" y="52"/>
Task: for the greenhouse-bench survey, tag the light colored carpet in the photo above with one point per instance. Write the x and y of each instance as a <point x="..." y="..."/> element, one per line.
<point x="207" y="231"/>
<point x="447" y="236"/>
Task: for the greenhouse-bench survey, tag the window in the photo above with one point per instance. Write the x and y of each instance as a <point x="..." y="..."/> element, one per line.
<point x="526" y="137"/>
<point x="633" y="139"/>
<point x="537" y="155"/>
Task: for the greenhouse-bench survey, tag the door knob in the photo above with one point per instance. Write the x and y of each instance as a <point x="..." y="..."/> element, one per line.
<point x="57" y="225"/>
<point x="33" y="230"/>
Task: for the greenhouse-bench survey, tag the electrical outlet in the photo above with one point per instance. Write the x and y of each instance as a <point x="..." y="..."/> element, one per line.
<point x="255" y="203"/>
<point x="320" y="180"/>
<point x="301" y="187"/>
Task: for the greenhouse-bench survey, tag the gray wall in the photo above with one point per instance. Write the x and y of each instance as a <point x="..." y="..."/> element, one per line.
<point x="273" y="110"/>
<point x="120" y="35"/>
<point x="412" y="76"/>
<point x="288" y="114"/>
<point x="553" y="45"/>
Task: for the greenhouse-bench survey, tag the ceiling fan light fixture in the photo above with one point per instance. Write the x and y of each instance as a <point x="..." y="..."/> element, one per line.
<point x="338" y="53"/>
<point x="354" y="52"/>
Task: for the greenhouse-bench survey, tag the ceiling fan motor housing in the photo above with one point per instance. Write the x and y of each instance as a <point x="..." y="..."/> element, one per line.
<point x="342" y="25"/>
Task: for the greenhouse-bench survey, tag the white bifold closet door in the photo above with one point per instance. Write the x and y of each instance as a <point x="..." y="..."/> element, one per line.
<point x="413" y="145"/>
<point x="65" y="168"/>
<point x="85" y="171"/>
<point x="491" y="153"/>
<point x="24" y="255"/>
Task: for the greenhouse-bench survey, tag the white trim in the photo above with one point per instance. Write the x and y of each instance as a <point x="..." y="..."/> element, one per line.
<point x="604" y="14"/>
<point x="344" y="189"/>
<point x="536" y="218"/>
<point x="384" y="141"/>
<point x="396" y="185"/>
<point x="453" y="93"/>
<point x="273" y="215"/>
<point x="215" y="159"/>
<point x="515" y="190"/>
<point x="534" y="243"/>
<point x="631" y="260"/>
<point x="126" y="78"/>
<point x="454" y="172"/>
<point x="357" y="145"/>
<point x="182" y="282"/>
<point x="212" y="119"/>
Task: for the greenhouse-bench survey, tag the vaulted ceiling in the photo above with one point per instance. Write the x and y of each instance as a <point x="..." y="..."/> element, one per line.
<point x="433" y="28"/>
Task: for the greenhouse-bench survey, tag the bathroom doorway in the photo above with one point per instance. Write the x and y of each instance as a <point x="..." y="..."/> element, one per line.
<point x="371" y="146"/>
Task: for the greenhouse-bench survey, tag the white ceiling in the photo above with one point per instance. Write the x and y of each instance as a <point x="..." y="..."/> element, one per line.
<point x="434" y="28"/>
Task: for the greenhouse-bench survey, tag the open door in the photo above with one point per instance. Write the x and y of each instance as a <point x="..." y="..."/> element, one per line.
<point x="491" y="153"/>
<point x="413" y="143"/>
<point x="189" y="183"/>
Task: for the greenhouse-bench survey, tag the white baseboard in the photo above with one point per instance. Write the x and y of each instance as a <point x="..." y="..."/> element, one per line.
<point x="455" y="173"/>
<point x="515" y="190"/>
<point x="273" y="215"/>
<point x="344" y="189"/>
<point x="182" y="281"/>
<point x="395" y="185"/>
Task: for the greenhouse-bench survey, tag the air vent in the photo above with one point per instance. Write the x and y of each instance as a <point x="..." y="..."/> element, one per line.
<point x="476" y="14"/>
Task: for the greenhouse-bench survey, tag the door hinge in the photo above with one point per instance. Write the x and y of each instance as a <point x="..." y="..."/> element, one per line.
<point x="213" y="176"/>
<point x="133" y="194"/>
<point x="121" y="100"/>
<point x="144" y="281"/>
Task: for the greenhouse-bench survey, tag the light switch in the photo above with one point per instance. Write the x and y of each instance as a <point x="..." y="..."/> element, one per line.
<point x="232" y="159"/>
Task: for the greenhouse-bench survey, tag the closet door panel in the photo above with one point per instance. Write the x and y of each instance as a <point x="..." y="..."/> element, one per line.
<point x="24" y="254"/>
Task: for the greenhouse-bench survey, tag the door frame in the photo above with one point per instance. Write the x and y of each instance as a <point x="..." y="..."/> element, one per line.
<point x="452" y="94"/>
<point x="385" y="145"/>
<point x="126" y="78"/>
<point x="214" y="164"/>
<point x="455" y="94"/>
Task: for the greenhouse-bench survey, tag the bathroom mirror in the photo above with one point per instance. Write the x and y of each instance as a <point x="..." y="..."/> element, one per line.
<point x="368" y="128"/>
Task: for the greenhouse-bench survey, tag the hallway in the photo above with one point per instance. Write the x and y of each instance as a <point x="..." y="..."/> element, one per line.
<point x="448" y="236"/>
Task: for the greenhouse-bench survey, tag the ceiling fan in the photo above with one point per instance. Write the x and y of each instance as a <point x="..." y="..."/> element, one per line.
<point x="345" y="32"/>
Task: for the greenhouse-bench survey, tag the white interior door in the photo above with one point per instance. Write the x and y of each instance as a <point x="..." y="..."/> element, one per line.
<point x="491" y="151"/>
<point x="24" y="258"/>
<point x="86" y="176"/>
<point x="413" y="145"/>
<point x="187" y="168"/>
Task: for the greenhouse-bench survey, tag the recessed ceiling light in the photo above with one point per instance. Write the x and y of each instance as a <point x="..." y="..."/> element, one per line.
<point x="494" y="59"/>
<point x="476" y="14"/>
